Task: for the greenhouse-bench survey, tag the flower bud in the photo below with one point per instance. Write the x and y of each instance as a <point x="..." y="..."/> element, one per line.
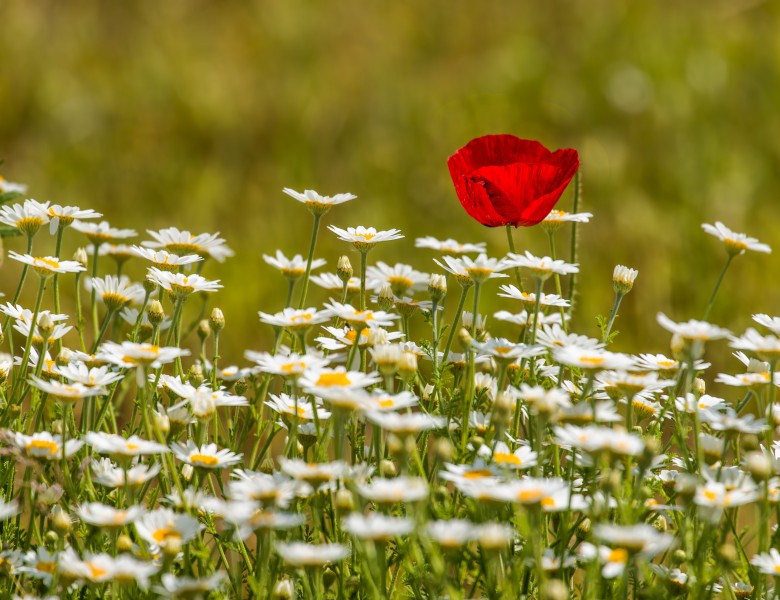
<point x="204" y="330"/>
<point x="155" y="312"/>
<point x="65" y="357"/>
<point x="329" y="577"/>
<point x="504" y="408"/>
<point x="467" y="319"/>
<point x="162" y="423"/>
<point x="171" y="547"/>
<point x="387" y="468"/>
<point x="283" y="589"/>
<point x="267" y="466"/>
<point x="685" y="485"/>
<point x="344" y="269"/>
<point x="699" y="387"/>
<point x="80" y="255"/>
<point x="623" y="279"/>
<point x="45" y="325"/>
<point x="437" y="287"/>
<point x="679" y="557"/>
<point x="443" y="449"/>
<point x="407" y="365"/>
<point x="465" y="339"/>
<point x="394" y="444"/>
<point x="124" y="543"/>
<point x="187" y="471"/>
<point x="345" y="501"/>
<point x="750" y="442"/>
<point x="149" y="286"/>
<point x="727" y="554"/>
<point x="555" y="589"/>
<point x="759" y="465"/>
<point x="61" y="522"/>
<point x="386" y="298"/>
<point x="386" y="358"/>
<point x="241" y="386"/>
<point x="195" y="375"/>
<point x="217" y="320"/>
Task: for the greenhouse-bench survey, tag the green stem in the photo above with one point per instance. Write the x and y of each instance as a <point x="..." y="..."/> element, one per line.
<point x="94" y="291"/>
<point x="573" y="251"/>
<point x="537" y="302"/>
<point x="314" y="232"/>
<point x="475" y="314"/>
<point x="612" y="315"/>
<point x="717" y="286"/>
<point x="510" y="239"/>
<point x="28" y="344"/>
<point x="455" y="321"/>
<point x="363" y="261"/>
<point x="558" y="289"/>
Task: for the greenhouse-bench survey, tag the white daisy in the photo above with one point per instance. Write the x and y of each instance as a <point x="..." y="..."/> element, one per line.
<point x="105" y="472"/>
<point x="300" y="554"/>
<point x="162" y="525"/>
<point x="294" y="267"/>
<point x="295" y="318"/>
<point x="117" y="446"/>
<point x="317" y="203"/>
<point x="207" y="456"/>
<point x="365" y="238"/>
<point x="736" y="243"/>
<point x="448" y="246"/>
<point x="164" y="260"/>
<point x="44" y="445"/>
<point x="541" y="268"/>
<point x="377" y="527"/>
<point x="117" y="292"/>
<point x="181" y="284"/>
<point x="27" y="217"/>
<point x="401" y="278"/>
<point x="182" y="242"/>
<point x="529" y="298"/>
<point x="102" y="232"/>
<point x="46" y="266"/>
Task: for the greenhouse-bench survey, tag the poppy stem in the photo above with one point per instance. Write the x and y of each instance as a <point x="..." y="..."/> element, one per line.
<point x="573" y="254"/>
<point x="511" y="240"/>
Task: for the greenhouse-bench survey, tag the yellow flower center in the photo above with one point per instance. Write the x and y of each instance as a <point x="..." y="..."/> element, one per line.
<point x="530" y="495"/>
<point x="96" y="571"/>
<point x="502" y="349"/>
<point x="47" y="445"/>
<point x="506" y="458"/>
<point x="46" y="567"/>
<point x="478" y="474"/>
<point x="592" y="360"/>
<point x="52" y="263"/>
<point x="618" y="555"/>
<point x="164" y="534"/>
<point x="204" y="459"/>
<point x="293" y="367"/>
<point x="386" y="403"/>
<point x="333" y="379"/>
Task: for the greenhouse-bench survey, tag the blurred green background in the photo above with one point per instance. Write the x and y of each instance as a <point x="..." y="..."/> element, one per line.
<point x="196" y="114"/>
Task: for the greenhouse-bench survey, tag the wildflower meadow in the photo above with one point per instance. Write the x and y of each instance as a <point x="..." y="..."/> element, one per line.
<point x="393" y="441"/>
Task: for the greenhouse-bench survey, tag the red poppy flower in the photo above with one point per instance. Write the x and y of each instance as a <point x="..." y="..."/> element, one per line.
<point x="506" y="180"/>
